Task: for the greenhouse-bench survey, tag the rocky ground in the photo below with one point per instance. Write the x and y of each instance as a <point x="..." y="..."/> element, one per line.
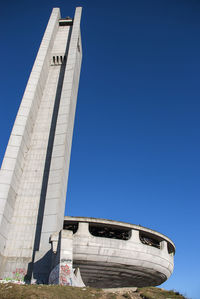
<point x="14" y="291"/>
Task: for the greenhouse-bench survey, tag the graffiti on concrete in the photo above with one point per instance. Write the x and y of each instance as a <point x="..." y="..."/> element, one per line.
<point x="63" y="274"/>
<point x="18" y="277"/>
<point x="19" y="274"/>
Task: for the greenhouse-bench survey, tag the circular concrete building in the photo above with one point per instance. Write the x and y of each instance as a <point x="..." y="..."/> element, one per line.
<point x="117" y="254"/>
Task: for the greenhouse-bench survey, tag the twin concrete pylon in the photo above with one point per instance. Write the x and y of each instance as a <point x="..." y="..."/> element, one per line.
<point x="34" y="172"/>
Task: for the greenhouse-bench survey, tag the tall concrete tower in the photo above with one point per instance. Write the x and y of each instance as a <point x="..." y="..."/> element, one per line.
<point x="34" y="172"/>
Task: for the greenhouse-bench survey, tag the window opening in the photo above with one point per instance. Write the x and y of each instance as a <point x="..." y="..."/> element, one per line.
<point x="170" y="248"/>
<point x="109" y="231"/>
<point x="149" y="240"/>
<point x="71" y="225"/>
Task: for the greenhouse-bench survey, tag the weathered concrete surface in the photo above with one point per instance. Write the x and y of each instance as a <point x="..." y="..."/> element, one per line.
<point x="34" y="172"/>
<point x="107" y="262"/>
<point x="33" y="183"/>
<point x="118" y="223"/>
<point x="62" y="265"/>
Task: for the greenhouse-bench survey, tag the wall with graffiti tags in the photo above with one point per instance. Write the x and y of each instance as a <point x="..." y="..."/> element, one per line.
<point x="63" y="272"/>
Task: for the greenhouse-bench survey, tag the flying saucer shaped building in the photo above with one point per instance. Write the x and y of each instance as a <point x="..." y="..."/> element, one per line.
<point x="113" y="254"/>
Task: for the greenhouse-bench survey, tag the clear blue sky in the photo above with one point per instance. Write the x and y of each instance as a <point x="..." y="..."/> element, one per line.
<point x="136" y="145"/>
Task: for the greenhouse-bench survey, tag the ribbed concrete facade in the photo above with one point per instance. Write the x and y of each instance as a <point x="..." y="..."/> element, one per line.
<point x="34" y="172"/>
<point x="112" y="254"/>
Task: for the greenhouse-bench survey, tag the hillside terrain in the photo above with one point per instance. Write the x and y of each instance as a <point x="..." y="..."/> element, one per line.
<point x="14" y="291"/>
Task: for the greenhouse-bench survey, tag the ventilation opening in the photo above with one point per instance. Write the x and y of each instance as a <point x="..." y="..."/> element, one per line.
<point x="109" y="231"/>
<point x="58" y="60"/>
<point x="71" y="225"/>
<point x="149" y="240"/>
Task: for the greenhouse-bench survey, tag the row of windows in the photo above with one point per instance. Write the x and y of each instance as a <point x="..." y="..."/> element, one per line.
<point x="58" y="59"/>
<point x="109" y="231"/>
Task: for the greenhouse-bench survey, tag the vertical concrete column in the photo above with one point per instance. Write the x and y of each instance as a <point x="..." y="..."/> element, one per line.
<point x="62" y="273"/>
<point x="83" y="229"/>
<point x="34" y="172"/>
<point x="66" y="247"/>
<point x="163" y="247"/>
<point x="19" y="145"/>
<point x="61" y="137"/>
<point x="135" y="236"/>
<point x="66" y="258"/>
<point x="53" y="218"/>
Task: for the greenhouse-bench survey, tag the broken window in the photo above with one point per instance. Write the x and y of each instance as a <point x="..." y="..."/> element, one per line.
<point x="109" y="231"/>
<point x="71" y="225"/>
<point x="149" y="240"/>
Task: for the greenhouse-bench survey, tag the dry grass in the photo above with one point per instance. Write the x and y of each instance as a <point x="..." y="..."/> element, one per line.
<point x="157" y="293"/>
<point x="13" y="291"/>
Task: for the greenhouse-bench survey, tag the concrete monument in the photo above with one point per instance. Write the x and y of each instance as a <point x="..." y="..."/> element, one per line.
<point x="34" y="172"/>
<point x="36" y="240"/>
